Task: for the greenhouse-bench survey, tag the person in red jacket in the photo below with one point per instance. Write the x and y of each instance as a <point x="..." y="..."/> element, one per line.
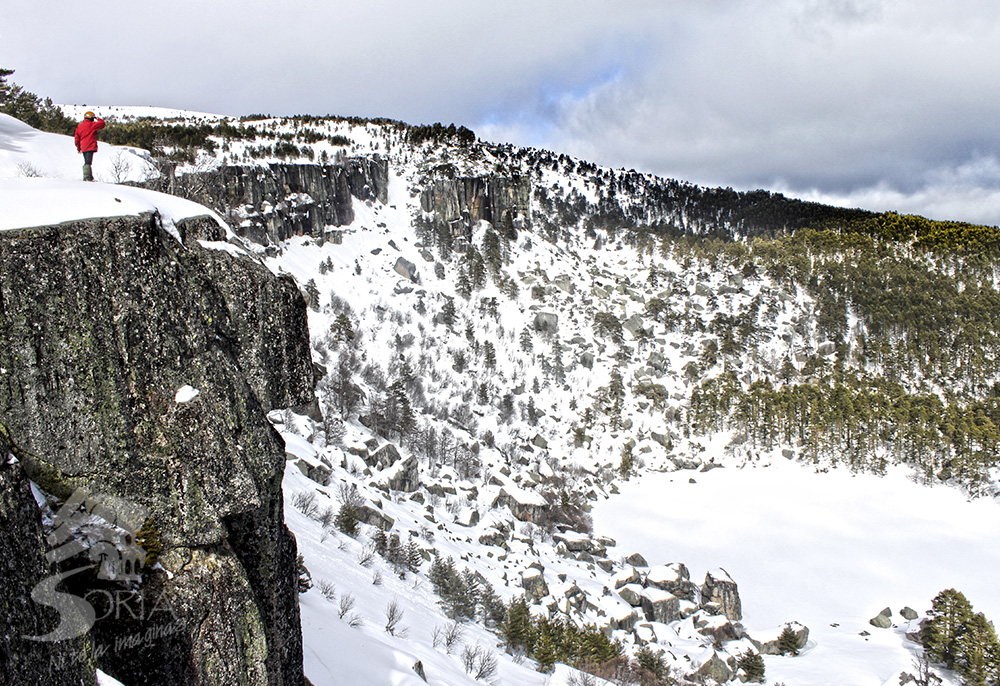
<point x="86" y="141"/>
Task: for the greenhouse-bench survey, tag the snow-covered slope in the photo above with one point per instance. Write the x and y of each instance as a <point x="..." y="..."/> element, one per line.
<point x="516" y="418"/>
<point x="27" y="152"/>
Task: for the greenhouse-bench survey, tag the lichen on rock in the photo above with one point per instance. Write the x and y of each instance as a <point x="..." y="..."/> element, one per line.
<point x="104" y="320"/>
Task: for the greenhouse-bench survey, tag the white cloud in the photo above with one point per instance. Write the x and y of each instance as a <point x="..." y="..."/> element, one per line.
<point x="836" y="95"/>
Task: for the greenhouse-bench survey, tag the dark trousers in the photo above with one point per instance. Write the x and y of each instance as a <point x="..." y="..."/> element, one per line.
<point x="88" y="159"/>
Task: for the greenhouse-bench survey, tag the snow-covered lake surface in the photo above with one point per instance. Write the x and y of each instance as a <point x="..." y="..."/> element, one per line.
<point x="829" y="550"/>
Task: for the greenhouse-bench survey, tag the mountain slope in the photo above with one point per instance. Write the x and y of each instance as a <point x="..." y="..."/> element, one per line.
<point x="528" y="331"/>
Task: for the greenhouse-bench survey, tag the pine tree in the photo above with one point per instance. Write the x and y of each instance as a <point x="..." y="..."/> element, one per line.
<point x="527" y="340"/>
<point x="950" y="610"/>
<point x="975" y="651"/>
<point x="532" y="413"/>
<point x="492" y="252"/>
<point x="347" y="519"/>
<point x="342" y="329"/>
<point x="753" y="665"/>
<point x="458" y="597"/>
<point x="788" y="642"/>
<point x="380" y="541"/>
<point x="412" y="555"/>
<point x="448" y="314"/>
<point x="313" y="294"/>
<point x="463" y="284"/>
<point x="402" y="410"/>
<point x="492" y="607"/>
<point x="518" y="628"/>
<point x="627" y="465"/>
<point x="651" y="661"/>
<point x="546" y="646"/>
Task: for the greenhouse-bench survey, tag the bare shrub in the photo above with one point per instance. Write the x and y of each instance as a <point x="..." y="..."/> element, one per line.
<point x="393" y="615"/>
<point x="305" y="502"/>
<point x="348" y="494"/>
<point x="28" y="170"/>
<point x="581" y="679"/>
<point x="325" y="516"/>
<point x="346" y="605"/>
<point x="367" y="556"/>
<point x="448" y="636"/>
<point x="120" y="167"/>
<point x="328" y="590"/>
<point x="479" y="662"/>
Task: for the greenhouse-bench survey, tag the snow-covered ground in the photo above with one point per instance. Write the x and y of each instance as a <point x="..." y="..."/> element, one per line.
<point x="40" y="202"/>
<point x="26" y="152"/>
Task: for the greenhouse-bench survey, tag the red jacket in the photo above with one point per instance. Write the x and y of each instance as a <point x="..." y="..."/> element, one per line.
<point x="86" y="134"/>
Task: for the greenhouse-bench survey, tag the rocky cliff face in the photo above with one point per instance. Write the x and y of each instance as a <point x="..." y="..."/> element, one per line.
<point x="22" y="566"/>
<point x="502" y="201"/>
<point x="270" y="204"/>
<point x="103" y="321"/>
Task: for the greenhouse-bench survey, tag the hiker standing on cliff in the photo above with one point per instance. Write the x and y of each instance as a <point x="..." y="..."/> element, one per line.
<point x="86" y="141"/>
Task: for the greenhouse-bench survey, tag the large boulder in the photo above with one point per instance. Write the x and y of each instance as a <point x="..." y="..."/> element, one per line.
<point x="632" y="594"/>
<point x="407" y="476"/>
<point x="720" y="589"/>
<point x="314" y="470"/>
<point x="565" y="283"/>
<point x="629" y="575"/>
<point x="826" y="348"/>
<point x="386" y="456"/>
<point x="634" y="325"/>
<point x="406" y="269"/>
<point x="715" y="668"/>
<point x="883" y="620"/>
<point x="661" y="606"/>
<point x="673" y="578"/>
<point x="533" y="583"/>
<point x="546" y="322"/>
<point x="373" y="517"/>
<point x="636" y="560"/>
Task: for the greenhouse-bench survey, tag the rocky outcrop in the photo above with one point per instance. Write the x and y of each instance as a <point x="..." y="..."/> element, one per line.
<point x="661" y="606"/>
<point x="673" y="578"/>
<point x="504" y="202"/>
<point x="407" y="477"/>
<point x="104" y="323"/>
<point x="546" y="322"/>
<point x="268" y="204"/>
<point x="533" y="583"/>
<point x="22" y="567"/>
<point x="719" y="589"/>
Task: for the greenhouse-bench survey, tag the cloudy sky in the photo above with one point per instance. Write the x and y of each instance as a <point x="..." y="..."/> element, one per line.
<point x="886" y="104"/>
